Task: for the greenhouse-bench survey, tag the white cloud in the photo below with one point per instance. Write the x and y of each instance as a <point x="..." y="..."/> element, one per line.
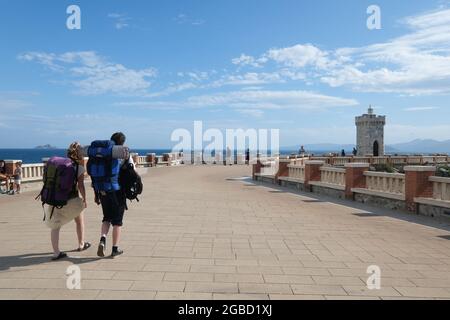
<point x="250" y="102"/>
<point x="245" y="60"/>
<point x="429" y="19"/>
<point x="420" y="109"/>
<point x="261" y="99"/>
<point x="15" y="100"/>
<point x="121" y="20"/>
<point x="185" y="19"/>
<point x="251" y="112"/>
<point x="299" y="56"/>
<point x="198" y="76"/>
<point x="416" y="63"/>
<point x="95" y="74"/>
<point x="13" y="104"/>
<point x="249" y="78"/>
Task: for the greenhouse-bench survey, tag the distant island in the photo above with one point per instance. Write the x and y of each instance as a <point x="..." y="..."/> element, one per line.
<point x="46" y="146"/>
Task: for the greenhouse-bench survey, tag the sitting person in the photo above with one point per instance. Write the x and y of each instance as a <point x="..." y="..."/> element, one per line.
<point x="4" y="178"/>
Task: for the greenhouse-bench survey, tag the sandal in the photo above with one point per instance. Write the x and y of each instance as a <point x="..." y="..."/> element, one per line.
<point x="61" y="255"/>
<point x="86" y="246"/>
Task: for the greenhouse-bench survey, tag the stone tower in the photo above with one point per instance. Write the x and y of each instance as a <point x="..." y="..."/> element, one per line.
<point x="370" y="134"/>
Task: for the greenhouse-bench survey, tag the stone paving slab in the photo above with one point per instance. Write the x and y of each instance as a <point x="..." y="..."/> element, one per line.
<point x="199" y="234"/>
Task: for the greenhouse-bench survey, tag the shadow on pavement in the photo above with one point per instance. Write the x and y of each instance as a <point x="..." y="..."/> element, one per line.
<point x="366" y="210"/>
<point x="33" y="259"/>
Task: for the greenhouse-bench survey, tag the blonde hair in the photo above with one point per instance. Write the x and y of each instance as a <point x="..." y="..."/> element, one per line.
<point x="74" y="152"/>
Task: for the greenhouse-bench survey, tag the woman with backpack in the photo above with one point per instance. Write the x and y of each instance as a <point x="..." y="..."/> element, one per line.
<point x="74" y="208"/>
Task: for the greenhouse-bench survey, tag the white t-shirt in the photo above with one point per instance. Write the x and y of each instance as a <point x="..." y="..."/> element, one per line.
<point x="81" y="170"/>
<point x="130" y="160"/>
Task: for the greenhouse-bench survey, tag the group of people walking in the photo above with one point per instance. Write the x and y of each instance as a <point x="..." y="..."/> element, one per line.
<point x="107" y="193"/>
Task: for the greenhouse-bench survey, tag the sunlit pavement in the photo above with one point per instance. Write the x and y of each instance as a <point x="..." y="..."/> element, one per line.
<point x="209" y="232"/>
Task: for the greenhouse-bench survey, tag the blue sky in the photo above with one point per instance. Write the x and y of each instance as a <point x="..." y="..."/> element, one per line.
<point x="149" y="67"/>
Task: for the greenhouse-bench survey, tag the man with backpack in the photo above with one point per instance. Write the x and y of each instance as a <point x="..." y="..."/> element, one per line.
<point x="106" y="158"/>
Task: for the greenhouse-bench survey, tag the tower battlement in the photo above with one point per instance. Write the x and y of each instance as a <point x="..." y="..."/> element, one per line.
<point x="370" y="134"/>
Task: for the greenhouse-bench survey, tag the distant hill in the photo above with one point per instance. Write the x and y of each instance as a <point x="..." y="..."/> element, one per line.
<point x="415" y="146"/>
<point x="424" y="146"/>
<point x="46" y="146"/>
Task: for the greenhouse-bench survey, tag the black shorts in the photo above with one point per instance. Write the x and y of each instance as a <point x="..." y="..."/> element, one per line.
<point x="113" y="205"/>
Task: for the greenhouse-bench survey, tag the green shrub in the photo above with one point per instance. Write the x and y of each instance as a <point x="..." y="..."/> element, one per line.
<point x="443" y="171"/>
<point x="384" y="168"/>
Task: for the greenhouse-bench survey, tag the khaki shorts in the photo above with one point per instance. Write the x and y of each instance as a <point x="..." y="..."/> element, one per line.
<point x="64" y="215"/>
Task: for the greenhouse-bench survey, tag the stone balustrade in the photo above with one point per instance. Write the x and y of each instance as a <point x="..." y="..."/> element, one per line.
<point x="416" y="190"/>
<point x="393" y="183"/>
<point x="441" y="188"/>
<point x="339" y="161"/>
<point x="142" y="160"/>
<point x="390" y="160"/>
<point x="333" y="176"/>
<point x="296" y="172"/>
<point x="32" y="172"/>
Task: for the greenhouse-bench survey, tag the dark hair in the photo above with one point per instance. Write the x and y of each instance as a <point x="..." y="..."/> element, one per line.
<point x="119" y="138"/>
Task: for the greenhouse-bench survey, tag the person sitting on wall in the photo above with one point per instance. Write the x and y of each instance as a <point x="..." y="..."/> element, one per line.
<point x="3" y="176"/>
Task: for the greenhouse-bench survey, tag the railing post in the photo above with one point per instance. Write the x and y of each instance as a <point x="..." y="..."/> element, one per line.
<point x="151" y="159"/>
<point x="256" y="168"/>
<point x="10" y="166"/>
<point x="283" y="170"/>
<point x="417" y="184"/>
<point x="312" y="171"/>
<point x="354" y="177"/>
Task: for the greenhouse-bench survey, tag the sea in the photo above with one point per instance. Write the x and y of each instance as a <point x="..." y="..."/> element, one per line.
<point x="35" y="155"/>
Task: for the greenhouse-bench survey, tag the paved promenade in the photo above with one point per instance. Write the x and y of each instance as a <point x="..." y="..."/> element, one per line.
<point x="210" y="233"/>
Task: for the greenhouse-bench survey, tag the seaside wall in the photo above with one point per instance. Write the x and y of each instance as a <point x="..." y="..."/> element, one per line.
<point x="417" y="191"/>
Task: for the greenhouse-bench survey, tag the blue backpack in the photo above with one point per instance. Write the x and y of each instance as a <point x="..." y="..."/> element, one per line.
<point x="102" y="168"/>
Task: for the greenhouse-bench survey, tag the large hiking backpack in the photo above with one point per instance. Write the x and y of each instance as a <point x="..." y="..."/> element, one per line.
<point x="130" y="181"/>
<point x="102" y="168"/>
<point x="60" y="183"/>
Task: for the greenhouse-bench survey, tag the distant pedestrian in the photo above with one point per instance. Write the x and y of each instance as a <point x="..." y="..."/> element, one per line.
<point x="247" y="156"/>
<point x="302" y="151"/>
<point x="355" y="152"/>
<point x="228" y="161"/>
<point x="18" y="177"/>
<point x="343" y="153"/>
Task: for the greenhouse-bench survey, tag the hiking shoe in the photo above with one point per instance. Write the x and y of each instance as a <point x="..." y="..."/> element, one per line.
<point x="101" y="249"/>
<point x="116" y="253"/>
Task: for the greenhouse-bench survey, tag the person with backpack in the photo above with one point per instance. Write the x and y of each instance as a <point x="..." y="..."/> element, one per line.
<point x="106" y="158"/>
<point x="60" y="196"/>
